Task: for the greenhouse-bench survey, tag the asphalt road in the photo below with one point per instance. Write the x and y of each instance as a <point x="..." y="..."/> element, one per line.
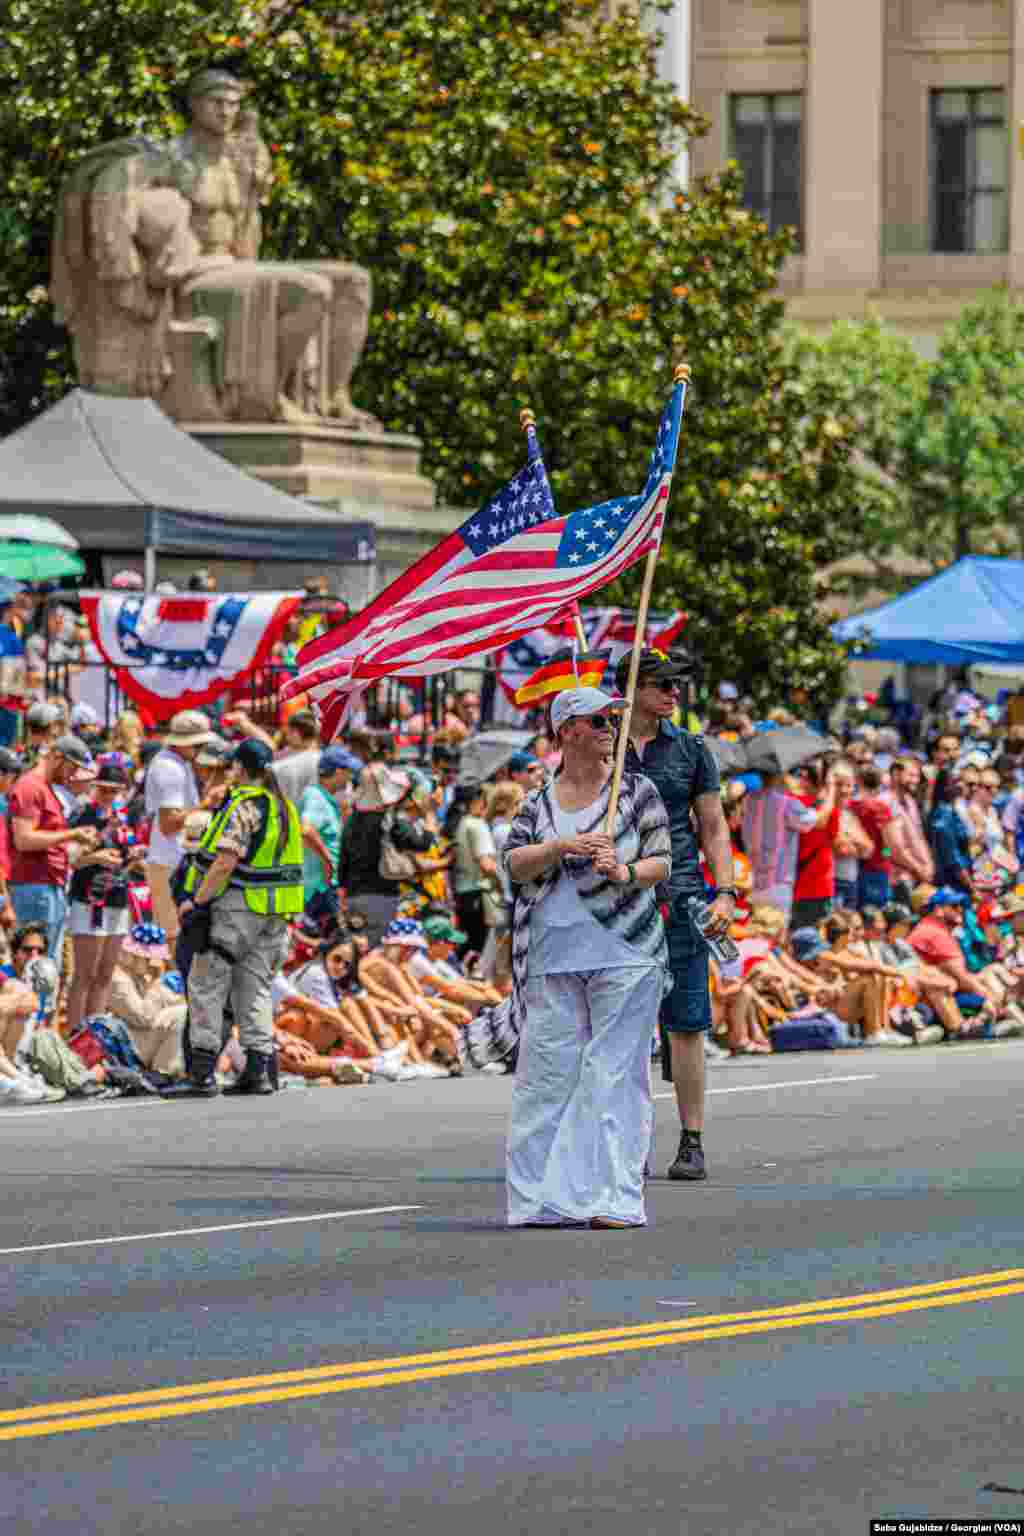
<point x="355" y="1342"/>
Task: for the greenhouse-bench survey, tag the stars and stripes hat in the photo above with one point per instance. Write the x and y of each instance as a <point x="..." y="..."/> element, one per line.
<point x="405" y="931"/>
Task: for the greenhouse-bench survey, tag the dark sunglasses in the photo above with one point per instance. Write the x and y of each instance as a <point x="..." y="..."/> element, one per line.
<point x="601" y="722"/>
<point x="33" y="949"/>
<point x="667" y="685"/>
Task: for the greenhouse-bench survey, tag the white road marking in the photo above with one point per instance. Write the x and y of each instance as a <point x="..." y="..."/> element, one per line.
<point x="234" y="1226"/>
<point x="789" y="1082"/>
<point x="14" y="1114"/>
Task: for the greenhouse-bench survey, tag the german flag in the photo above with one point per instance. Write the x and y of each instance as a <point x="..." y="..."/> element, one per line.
<point x="565" y="669"/>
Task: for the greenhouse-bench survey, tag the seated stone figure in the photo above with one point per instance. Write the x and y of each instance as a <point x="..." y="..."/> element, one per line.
<point x="156" y="274"/>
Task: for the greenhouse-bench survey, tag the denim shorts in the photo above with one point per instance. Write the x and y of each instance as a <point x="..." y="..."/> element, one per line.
<point x="687" y="1008"/>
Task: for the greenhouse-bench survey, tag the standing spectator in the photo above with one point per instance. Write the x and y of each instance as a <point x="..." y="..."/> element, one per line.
<point x="41" y="835"/>
<point x="321" y="817"/>
<point x="948" y="836"/>
<point x="12" y="676"/>
<point x="43" y="721"/>
<point x="381" y="789"/>
<point x="444" y="765"/>
<point x="876" y="817"/>
<point x="913" y="864"/>
<point x="476" y="867"/>
<point x="171" y="792"/>
<point x="300" y="765"/>
<point x="815" y="887"/>
<point x="526" y="770"/>
<point x="98" y="918"/>
<point x="852" y="842"/>
<point x="10" y="767"/>
<point x="773" y="819"/>
<point x="128" y="734"/>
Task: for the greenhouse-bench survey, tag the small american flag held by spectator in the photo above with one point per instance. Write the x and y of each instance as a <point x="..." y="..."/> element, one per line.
<point x="508" y="569"/>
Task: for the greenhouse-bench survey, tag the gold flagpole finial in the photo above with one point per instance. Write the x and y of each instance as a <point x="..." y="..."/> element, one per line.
<point x="681" y="373"/>
<point x="527" y="419"/>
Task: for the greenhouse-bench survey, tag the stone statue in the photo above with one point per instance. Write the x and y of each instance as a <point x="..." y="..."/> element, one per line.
<point x="156" y="275"/>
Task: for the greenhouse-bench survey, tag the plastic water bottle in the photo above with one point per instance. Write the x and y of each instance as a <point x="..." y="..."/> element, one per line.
<point x="723" y="949"/>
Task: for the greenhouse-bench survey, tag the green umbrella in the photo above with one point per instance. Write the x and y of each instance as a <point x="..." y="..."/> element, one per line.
<point x="37" y="562"/>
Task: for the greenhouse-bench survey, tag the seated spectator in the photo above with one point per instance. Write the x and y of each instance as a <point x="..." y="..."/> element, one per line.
<point x="329" y="1007"/>
<point x="151" y="1011"/>
<point x="28" y="999"/>
<point x="388" y="977"/>
<point x="858" y="990"/>
<point x="934" y="940"/>
<point x="457" y="997"/>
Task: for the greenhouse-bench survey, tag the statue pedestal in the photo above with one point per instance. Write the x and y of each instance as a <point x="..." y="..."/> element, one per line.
<point x="324" y="462"/>
<point x="362" y="476"/>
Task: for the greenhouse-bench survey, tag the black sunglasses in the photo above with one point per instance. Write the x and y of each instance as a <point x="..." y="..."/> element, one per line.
<point x="601" y="722"/>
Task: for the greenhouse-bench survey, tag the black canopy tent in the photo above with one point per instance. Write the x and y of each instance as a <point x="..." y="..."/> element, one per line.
<point x="119" y="475"/>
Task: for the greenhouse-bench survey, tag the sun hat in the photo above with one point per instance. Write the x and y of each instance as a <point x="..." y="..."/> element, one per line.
<point x="42" y="715"/>
<point x="128" y="581"/>
<point x="196" y="823"/>
<point x="406" y="932"/>
<point x="215" y="752"/>
<point x="381" y="787"/>
<point x="440" y="930"/>
<point x="188" y="728"/>
<point x="578" y="703"/>
<point x="807" y="944"/>
<point x="147" y="939"/>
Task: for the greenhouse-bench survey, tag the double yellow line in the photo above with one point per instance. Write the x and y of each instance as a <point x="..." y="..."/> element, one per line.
<point x="356" y="1376"/>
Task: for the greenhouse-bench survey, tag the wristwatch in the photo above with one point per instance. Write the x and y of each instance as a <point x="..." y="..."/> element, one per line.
<point x="631" y="872"/>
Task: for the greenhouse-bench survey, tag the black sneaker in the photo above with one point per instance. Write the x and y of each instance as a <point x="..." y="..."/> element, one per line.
<point x="689" y="1163"/>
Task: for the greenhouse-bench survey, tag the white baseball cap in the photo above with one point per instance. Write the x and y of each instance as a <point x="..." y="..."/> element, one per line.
<point x="577" y="703"/>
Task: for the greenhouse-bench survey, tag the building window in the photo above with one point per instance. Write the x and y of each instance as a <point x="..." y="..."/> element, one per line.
<point x="969" y="171"/>
<point x="767" y="140"/>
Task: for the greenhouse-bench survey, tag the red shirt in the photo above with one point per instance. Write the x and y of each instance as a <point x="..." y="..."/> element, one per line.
<point x="932" y="940"/>
<point x="874" y="816"/>
<point x="815" y="864"/>
<point x="5" y="848"/>
<point x="33" y="800"/>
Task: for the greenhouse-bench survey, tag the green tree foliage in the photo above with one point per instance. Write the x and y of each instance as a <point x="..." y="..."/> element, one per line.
<point x="939" y="444"/>
<point x="504" y="169"/>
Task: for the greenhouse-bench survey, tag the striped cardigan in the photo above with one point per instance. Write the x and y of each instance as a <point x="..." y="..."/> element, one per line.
<point x="630" y="911"/>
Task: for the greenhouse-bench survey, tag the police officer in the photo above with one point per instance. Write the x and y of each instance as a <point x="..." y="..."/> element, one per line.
<point x="247" y="871"/>
<point x="686" y="776"/>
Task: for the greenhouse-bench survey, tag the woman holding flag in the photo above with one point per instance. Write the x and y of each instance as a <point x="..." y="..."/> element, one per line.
<point x="589" y="968"/>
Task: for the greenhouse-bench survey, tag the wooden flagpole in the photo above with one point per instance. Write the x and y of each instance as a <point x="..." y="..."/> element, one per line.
<point x="680" y="376"/>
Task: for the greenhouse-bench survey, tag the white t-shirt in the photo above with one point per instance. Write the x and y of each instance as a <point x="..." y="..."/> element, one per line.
<point x="427" y="970"/>
<point x="564" y="935"/>
<point x="296" y="772"/>
<point x="170" y="783"/>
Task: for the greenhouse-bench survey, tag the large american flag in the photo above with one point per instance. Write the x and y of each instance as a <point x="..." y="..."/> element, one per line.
<point x="507" y="570"/>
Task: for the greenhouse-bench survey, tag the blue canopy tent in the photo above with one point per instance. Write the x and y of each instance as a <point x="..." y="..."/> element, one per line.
<point x="971" y="612"/>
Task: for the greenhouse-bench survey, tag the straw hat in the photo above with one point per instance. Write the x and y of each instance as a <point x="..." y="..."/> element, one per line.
<point x="188" y="728"/>
<point x="381" y="787"/>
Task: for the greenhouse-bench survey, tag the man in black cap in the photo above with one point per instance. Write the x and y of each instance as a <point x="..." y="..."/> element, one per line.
<point x="686" y="775"/>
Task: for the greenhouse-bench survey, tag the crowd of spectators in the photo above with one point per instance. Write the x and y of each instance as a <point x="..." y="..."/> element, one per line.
<point x="881" y="903"/>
